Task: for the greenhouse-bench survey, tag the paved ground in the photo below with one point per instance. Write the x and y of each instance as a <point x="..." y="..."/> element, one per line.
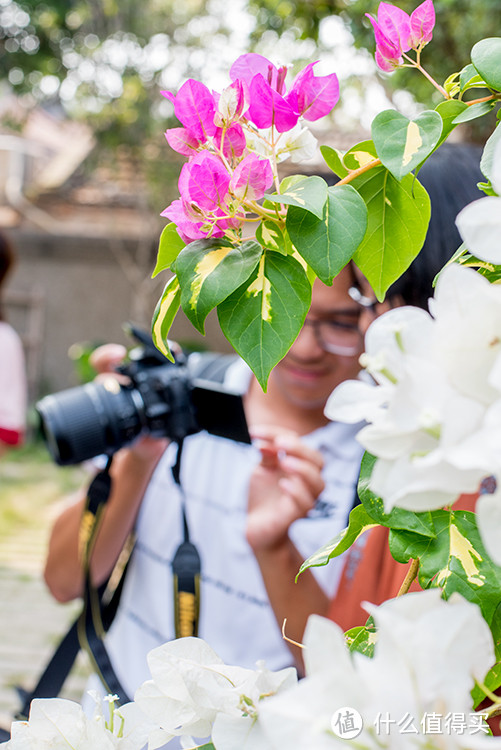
<point x="31" y="622"/>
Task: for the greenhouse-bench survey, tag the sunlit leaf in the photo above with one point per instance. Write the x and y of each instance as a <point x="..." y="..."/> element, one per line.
<point x="401" y="143"/>
<point x="486" y="57"/>
<point x="327" y="244"/>
<point x="262" y="317"/>
<point x="334" y="160"/>
<point x="474" y="111"/>
<point x="360" y="155"/>
<point x="310" y="193"/>
<point x="359" y="522"/>
<point x="209" y="271"/>
<point x="272" y="237"/>
<point x="164" y="314"/>
<point x="399" y="213"/>
<point x="169" y="247"/>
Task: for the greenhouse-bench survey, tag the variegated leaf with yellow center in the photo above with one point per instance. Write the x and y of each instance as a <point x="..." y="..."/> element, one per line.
<point x="402" y="144"/>
<point x="164" y="314"/>
<point x="209" y="271"/>
<point x="455" y="560"/>
<point x="262" y="317"/>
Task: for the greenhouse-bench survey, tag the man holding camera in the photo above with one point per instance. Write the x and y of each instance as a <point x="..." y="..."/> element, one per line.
<point x="254" y="512"/>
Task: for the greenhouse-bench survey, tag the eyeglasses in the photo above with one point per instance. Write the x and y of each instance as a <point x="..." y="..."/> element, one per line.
<point x="338" y="334"/>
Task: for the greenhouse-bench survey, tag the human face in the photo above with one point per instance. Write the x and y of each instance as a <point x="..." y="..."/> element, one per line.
<point x="308" y="374"/>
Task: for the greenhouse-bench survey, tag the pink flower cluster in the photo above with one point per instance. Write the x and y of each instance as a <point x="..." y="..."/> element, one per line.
<point x="223" y="174"/>
<point x="396" y="32"/>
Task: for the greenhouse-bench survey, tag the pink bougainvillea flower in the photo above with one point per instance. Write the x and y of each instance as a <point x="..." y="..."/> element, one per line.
<point x="313" y="96"/>
<point x="204" y="181"/>
<point x="268" y="108"/>
<point x="188" y="228"/>
<point x="251" y="178"/>
<point x="232" y="141"/>
<point x="182" y="141"/>
<point x="397" y="32"/>
<point x="247" y="66"/>
<point x="195" y="108"/>
<point x="422" y="23"/>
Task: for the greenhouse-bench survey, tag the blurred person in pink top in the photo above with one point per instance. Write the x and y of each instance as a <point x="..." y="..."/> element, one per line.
<point x="12" y="371"/>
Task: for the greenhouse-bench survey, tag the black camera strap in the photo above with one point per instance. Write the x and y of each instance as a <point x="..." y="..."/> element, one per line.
<point x="186" y="568"/>
<point x="91" y="627"/>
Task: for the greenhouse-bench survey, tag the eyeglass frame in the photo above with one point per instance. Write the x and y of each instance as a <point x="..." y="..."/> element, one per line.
<point x="344" y="351"/>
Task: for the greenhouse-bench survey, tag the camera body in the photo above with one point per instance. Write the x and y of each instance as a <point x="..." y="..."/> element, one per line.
<point x="157" y="398"/>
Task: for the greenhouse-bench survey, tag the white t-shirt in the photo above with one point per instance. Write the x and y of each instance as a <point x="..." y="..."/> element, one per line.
<point x="12" y="386"/>
<point x="236" y="618"/>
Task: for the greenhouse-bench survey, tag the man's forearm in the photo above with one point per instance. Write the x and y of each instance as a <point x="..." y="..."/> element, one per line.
<point x="63" y="569"/>
<point x="290" y="600"/>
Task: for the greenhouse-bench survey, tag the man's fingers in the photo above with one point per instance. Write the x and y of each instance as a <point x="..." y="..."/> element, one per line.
<point x="106" y="358"/>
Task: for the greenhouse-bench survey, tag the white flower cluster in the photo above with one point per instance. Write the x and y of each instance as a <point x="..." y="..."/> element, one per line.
<point x="428" y="654"/>
<point x="434" y="415"/>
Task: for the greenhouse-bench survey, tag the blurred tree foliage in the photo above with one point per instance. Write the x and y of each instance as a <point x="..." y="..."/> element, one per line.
<point x="460" y="24"/>
<point x="106" y="61"/>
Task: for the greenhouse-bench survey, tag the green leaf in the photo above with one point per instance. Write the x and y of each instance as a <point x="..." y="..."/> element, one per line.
<point x="402" y="144"/>
<point x="360" y="155"/>
<point x="460" y="252"/>
<point x="362" y="638"/>
<point x="272" y="237"/>
<point x="486" y="57"/>
<point x="359" y="521"/>
<point x="310" y="193"/>
<point x="334" y="160"/>
<point x="398" y="518"/>
<point x="328" y="244"/>
<point x="209" y="271"/>
<point x="262" y="317"/>
<point x="169" y="247"/>
<point x="448" y="111"/>
<point x="164" y="314"/>
<point x="474" y="111"/>
<point x="451" y="84"/>
<point x="470" y="79"/>
<point x="399" y="213"/>
<point x="488" y="152"/>
<point x="491" y="681"/>
<point x="455" y="560"/>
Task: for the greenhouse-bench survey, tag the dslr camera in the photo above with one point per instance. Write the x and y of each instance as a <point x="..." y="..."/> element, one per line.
<point x="160" y="398"/>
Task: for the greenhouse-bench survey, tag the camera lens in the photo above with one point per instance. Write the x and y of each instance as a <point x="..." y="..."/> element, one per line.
<point x="90" y="420"/>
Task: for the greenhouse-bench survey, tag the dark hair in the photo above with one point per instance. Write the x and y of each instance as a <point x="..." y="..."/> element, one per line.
<point x="450" y="176"/>
<point x="7" y="259"/>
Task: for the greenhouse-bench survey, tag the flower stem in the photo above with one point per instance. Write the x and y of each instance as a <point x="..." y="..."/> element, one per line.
<point x="417" y="64"/>
<point x="410" y="577"/>
<point x="359" y="171"/>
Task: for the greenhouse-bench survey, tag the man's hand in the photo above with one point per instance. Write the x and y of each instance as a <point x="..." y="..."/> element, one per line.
<point x="283" y="487"/>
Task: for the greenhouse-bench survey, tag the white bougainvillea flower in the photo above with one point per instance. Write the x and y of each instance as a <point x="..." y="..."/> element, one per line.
<point x="60" y="724"/>
<point x="479" y="223"/>
<point x="436" y="379"/>
<point x="413" y="673"/>
<point x="191" y="687"/>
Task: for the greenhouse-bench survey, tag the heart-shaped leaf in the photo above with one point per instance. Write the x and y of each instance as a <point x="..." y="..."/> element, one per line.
<point x="309" y="193"/>
<point x="399" y="213"/>
<point x="169" y="247"/>
<point x="486" y="57"/>
<point x="209" y="271"/>
<point x="164" y="314"/>
<point x="262" y="317"/>
<point x="402" y="144"/>
<point x="327" y="244"/>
